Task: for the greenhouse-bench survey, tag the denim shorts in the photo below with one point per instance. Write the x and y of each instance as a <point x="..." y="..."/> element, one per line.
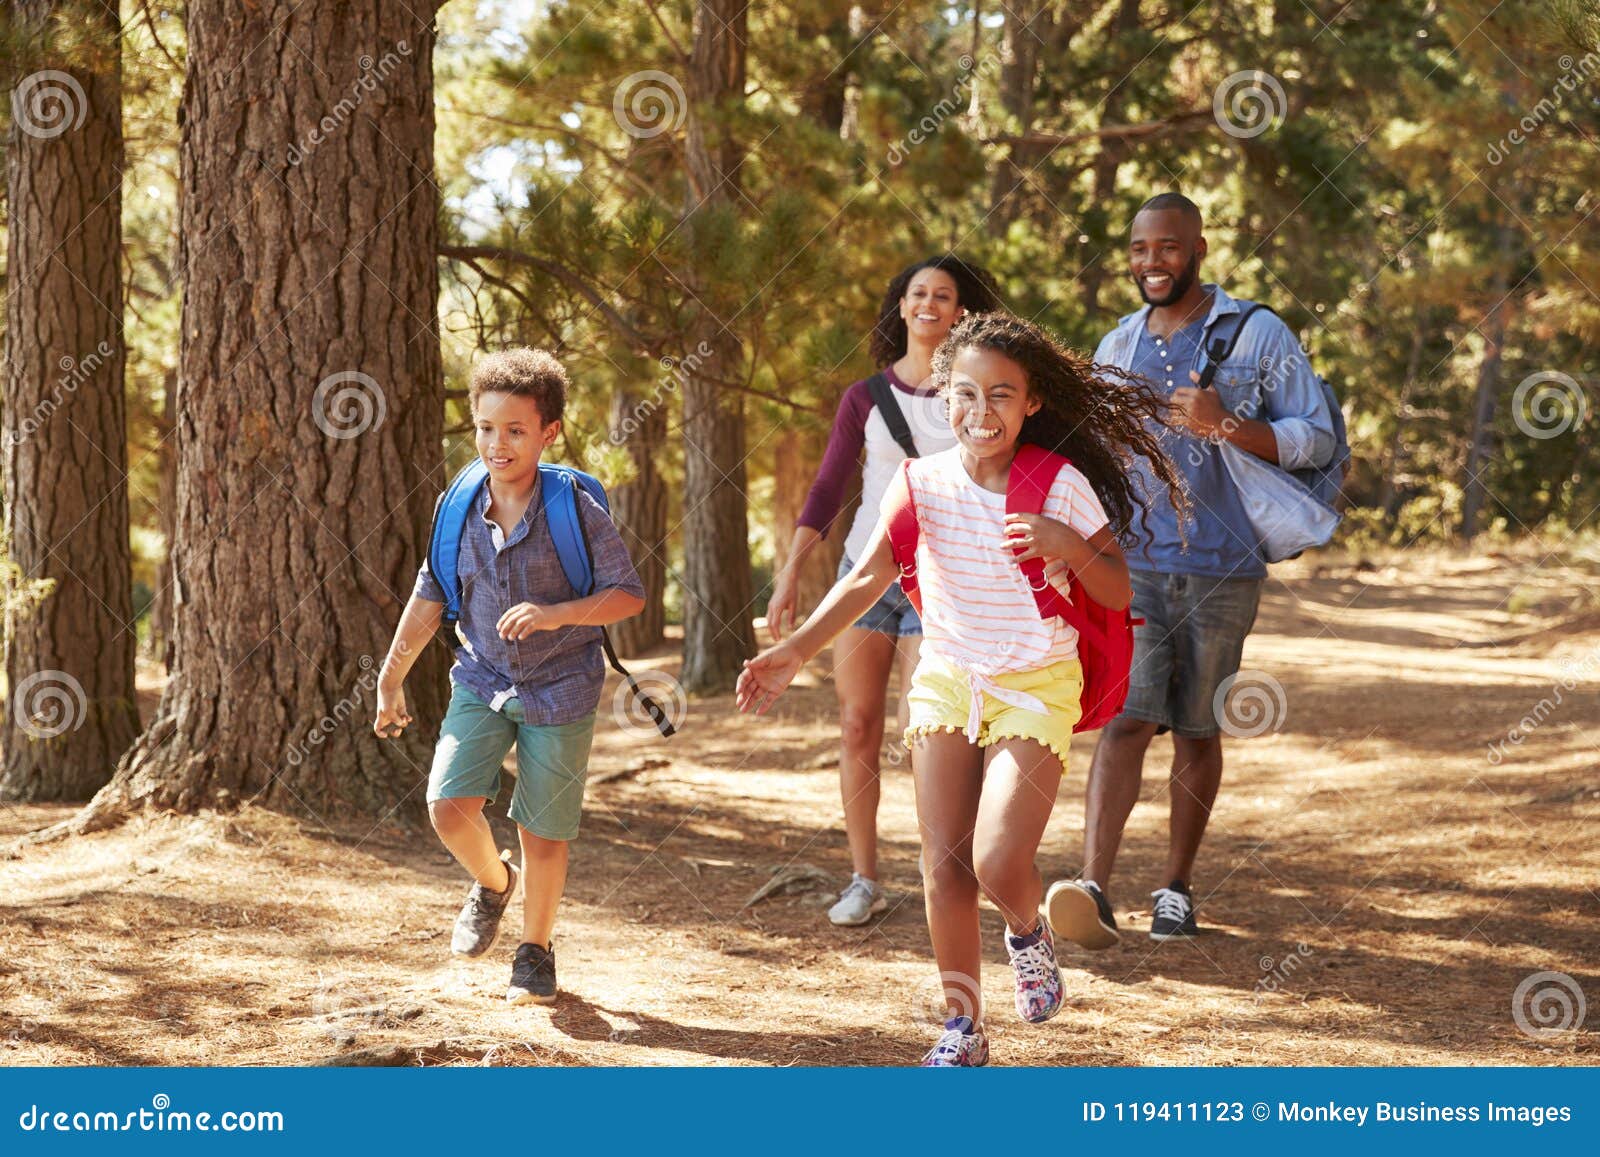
<point x="1192" y="639"/>
<point x="892" y="614"/>
<point x="552" y="762"/>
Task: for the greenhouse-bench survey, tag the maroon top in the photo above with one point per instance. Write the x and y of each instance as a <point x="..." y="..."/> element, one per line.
<point x="842" y="459"/>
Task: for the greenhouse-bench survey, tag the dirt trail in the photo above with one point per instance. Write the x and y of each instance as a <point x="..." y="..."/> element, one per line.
<point x="1375" y="885"/>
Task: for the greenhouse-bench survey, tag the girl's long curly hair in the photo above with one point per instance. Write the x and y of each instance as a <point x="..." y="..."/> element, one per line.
<point x="1098" y="416"/>
<point x="975" y="291"/>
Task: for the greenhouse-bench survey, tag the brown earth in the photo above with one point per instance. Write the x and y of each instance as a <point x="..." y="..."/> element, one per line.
<point x="1375" y="885"/>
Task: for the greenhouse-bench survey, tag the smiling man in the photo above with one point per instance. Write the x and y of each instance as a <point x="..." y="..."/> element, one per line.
<point x="1197" y="591"/>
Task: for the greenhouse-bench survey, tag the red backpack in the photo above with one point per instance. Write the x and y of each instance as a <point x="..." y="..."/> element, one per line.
<point x="1105" y="637"/>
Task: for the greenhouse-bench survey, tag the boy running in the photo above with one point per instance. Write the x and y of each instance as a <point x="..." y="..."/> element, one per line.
<point x="528" y="671"/>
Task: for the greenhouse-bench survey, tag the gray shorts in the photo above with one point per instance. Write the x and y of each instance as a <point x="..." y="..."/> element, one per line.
<point x="892" y="614"/>
<point x="1192" y="639"/>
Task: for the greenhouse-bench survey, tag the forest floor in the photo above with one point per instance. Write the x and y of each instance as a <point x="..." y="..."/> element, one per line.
<point x="1374" y="888"/>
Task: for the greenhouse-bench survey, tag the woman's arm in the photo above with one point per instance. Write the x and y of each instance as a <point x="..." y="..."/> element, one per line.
<point x="786" y="583"/>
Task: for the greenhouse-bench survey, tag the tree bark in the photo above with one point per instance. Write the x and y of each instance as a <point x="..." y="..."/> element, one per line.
<point x="639" y="424"/>
<point x="1108" y="160"/>
<point x="1018" y="57"/>
<point x="71" y="711"/>
<point x="717" y="631"/>
<point x="309" y="408"/>
<point x="796" y="455"/>
<point x="1474" y="494"/>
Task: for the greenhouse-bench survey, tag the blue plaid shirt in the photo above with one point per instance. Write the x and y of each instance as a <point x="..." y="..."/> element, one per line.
<point x="556" y="674"/>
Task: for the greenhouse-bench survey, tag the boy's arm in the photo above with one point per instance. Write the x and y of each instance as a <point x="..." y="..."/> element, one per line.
<point x="618" y="592"/>
<point x="418" y="623"/>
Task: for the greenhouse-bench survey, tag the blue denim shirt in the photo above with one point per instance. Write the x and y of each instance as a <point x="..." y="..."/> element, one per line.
<point x="1269" y="378"/>
<point x="556" y="674"/>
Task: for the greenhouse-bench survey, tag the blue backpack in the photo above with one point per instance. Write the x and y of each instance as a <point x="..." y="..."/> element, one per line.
<point x="1324" y="481"/>
<point x="558" y="488"/>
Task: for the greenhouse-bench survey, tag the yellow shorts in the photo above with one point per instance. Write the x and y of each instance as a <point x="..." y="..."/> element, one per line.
<point x="1040" y="705"/>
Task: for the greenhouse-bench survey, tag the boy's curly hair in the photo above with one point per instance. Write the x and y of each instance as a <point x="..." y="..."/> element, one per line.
<point x="1092" y="414"/>
<point x="526" y="372"/>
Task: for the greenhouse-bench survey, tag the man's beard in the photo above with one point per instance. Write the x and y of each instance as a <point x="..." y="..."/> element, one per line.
<point x="1181" y="284"/>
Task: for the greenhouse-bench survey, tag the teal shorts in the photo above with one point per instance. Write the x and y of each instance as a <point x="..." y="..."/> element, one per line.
<point x="552" y="763"/>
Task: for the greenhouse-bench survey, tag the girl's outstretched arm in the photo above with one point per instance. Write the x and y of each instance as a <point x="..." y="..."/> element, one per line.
<point x="765" y="677"/>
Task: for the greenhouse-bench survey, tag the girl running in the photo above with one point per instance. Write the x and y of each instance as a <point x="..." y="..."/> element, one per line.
<point x="996" y="692"/>
<point x="919" y="308"/>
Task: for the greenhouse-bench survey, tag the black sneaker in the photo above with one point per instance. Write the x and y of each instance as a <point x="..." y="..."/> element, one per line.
<point x="478" y="926"/>
<point x="533" y="976"/>
<point x="1173" y="914"/>
<point x="1079" y="911"/>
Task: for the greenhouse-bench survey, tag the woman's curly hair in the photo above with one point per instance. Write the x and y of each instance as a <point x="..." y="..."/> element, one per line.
<point x="976" y="292"/>
<point x="1098" y="416"/>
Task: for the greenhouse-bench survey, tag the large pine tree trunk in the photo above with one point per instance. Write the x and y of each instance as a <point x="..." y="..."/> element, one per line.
<point x="717" y="630"/>
<point x="640" y="509"/>
<point x="309" y="410"/>
<point x="70" y="707"/>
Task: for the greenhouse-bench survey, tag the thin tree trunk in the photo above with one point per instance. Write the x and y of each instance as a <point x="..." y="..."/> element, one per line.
<point x="1108" y="160"/>
<point x="71" y="711"/>
<point x="309" y="405"/>
<point x="640" y="510"/>
<point x="1391" y="496"/>
<point x="1474" y="495"/>
<point x="796" y="455"/>
<point x="717" y="631"/>
<point x="1018" y="59"/>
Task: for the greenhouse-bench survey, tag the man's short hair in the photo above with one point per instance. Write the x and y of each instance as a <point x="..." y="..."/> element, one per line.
<point x="1173" y="203"/>
<point x="528" y="373"/>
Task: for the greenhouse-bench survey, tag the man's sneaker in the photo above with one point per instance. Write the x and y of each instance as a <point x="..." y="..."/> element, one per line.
<point x="1173" y="915"/>
<point x="533" y="975"/>
<point x="859" y="902"/>
<point x="961" y="1046"/>
<point x="1079" y="911"/>
<point x="1033" y="958"/>
<point x="478" y="926"/>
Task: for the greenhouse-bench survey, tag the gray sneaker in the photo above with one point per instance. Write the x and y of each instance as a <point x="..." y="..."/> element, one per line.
<point x="859" y="902"/>
<point x="479" y="923"/>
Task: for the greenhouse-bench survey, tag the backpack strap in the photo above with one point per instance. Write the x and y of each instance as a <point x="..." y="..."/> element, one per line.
<point x="1033" y="472"/>
<point x="883" y="397"/>
<point x="900" y="517"/>
<point x="559" y="495"/>
<point x="444" y="540"/>
<point x="653" y="709"/>
<point x="1220" y="339"/>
